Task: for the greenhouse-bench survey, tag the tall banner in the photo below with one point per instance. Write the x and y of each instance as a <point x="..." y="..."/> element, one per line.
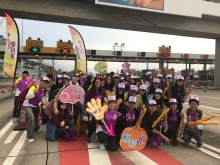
<point x="81" y="64"/>
<point x="11" y="47"/>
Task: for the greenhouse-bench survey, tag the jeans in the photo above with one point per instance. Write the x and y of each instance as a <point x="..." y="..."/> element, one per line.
<point x="188" y="134"/>
<point x="16" y="110"/>
<point x="32" y="115"/>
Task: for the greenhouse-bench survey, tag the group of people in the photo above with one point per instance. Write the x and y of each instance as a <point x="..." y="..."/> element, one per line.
<point x="111" y="88"/>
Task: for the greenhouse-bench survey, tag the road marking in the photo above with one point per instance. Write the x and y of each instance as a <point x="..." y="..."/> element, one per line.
<point x="98" y="155"/>
<point x="15" y="151"/>
<point x="202" y="150"/>
<point x="206" y="96"/>
<point x="206" y="107"/>
<point x="2" y="132"/>
<point x="208" y="146"/>
<point x="11" y="137"/>
<point x="137" y="158"/>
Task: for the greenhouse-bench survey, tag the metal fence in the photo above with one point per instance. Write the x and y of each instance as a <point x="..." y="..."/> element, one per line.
<point x="4" y="80"/>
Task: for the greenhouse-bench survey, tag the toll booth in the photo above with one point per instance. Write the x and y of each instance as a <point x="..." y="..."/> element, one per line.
<point x="206" y="75"/>
<point x="186" y="73"/>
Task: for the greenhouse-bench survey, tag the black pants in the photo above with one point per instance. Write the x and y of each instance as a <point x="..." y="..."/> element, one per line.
<point x="188" y="134"/>
<point x="92" y="127"/>
<point x="111" y="140"/>
<point x="172" y="132"/>
<point x="16" y="110"/>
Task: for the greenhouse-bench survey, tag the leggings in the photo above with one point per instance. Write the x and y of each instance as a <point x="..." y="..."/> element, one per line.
<point x="92" y="127"/>
<point x="111" y="140"/>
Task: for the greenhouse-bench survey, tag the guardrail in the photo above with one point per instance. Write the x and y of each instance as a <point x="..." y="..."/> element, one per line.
<point x="7" y="86"/>
<point x="4" y="80"/>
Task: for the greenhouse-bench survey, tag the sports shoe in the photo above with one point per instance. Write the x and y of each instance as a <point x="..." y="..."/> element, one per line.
<point x="30" y="140"/>
<point x="88" y="140"/>
<point x="39" y="130"/>
<point x="201" y="146"/>
<point x="15" y="120"/>
<point x="102" y="146"/>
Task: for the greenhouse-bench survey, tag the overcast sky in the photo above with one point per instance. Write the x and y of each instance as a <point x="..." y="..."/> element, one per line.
<point x="104" y="38"/>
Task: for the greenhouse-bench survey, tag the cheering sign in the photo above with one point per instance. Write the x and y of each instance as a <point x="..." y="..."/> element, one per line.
<point x="72" y="94"/>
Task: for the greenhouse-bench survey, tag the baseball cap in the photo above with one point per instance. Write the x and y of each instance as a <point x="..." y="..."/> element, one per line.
<point x="26" y="72"/>
<point x="116" y="76"/>
<point x="158" y="90"/>
<point x="142" y="87"/>
<point x="81" y="73"/>
<point x="111" y="98"/>
<point x="173" y="100"/>
<point x="77" y="74"/>
<point x="63" y="72"/>
<point x="127" y="74"/>
<point x="156" y="81"/>
<point x="169" y="76"/>
<point x="194" y="98"/>
<point x="132" y="99"/>
<point x="159" y="76"/>
<point x="45" y="79"/>
<point x="148" y="73"/>
<point x="152" y="102"/>
<point x="65" y="77"/>
<point x="133" y="77"/>
<point x="180" y="78"/>
<point x="59" y="76"/>
<point x="121" y="86"/>
<point x="133" y="88"/>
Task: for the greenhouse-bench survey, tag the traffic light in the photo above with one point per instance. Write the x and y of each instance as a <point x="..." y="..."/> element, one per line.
<point x="206" y="56"/>
<point x="34" y="49"/>
<point x="65" y="50"/>
<point x="165" y="55"/>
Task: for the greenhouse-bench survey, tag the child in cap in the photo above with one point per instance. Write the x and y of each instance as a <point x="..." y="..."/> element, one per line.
<point x="173" y="121"/>
<point x="151" y="89"/>
<point x="178" y="91"/>
<point x="150" y="116"/>
<point x="107" y="135"/>
<point x="132" y="115"/>
<point x="193" y="114"/>
<point x="149" y="78"/>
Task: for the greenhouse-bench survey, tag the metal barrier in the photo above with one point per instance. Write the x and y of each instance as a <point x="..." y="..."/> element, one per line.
<point x="3" y="87"/>
<point x="4" y="80"/>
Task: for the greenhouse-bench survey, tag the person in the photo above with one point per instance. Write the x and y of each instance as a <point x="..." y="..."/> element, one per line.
<point x="142" y="92"/>
<point x="87" y="83"/>
<point x="193" y="114"/>
<point x="110" y="119"/>
<point x="95" y="92"/>
<point x="173" y="121"/>
<point x="65" y="80"/>
<point x="81" y="78"/>
<point x="109" y="84"/>
<point x="151" y="90"/>
<point x="158" y="98"/>
<point x="149" y="79"/>
<point x="58" y="84"/>
<point x="149" y="118"/>
<point x="73" y="81"/>
<point x="160" y="77"/>
<point x="21" y="84"/>
<point x="32" y="99"/>
<point x="63" y="73"/>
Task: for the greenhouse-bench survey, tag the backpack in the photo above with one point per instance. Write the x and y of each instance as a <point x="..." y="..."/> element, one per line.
<point x="22" y="95"/>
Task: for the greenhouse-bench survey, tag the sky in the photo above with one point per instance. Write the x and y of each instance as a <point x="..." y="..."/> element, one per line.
<point x="103" y="39"/>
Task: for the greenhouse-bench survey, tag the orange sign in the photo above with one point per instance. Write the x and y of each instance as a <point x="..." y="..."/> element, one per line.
<point x="64" y="44"/>
<point x="37" y="43"/>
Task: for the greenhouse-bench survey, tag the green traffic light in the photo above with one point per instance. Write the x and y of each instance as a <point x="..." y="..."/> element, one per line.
<point x="34" y="49"/>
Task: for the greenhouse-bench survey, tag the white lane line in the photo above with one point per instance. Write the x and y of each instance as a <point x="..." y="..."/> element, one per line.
<point x="2" y="132"/>
<point x="98" y="156"/>
<point x="11" y="137"/>
<point x="208" y="146"/>
<point x="206" y="96"/>
<point x="15" y="151"/>
<point x="137" y="158"/>
<point x="202" y="150"/>
<point x="205" y="107"/>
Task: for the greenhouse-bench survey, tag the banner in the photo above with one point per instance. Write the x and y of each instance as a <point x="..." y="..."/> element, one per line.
<point x="81" y="63"/>
<point x="101" y="67"/>
<point x="11" y="47"/>
<point x="134" y="4"/>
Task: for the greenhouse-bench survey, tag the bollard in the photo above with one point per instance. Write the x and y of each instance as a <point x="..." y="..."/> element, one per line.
<point x="22" y="120"/>
<point x="2" y="90"/>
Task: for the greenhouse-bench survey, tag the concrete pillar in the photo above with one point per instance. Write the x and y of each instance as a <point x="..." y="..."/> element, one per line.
<point x="217" y="63"/>
<point x="161" y="64"/>
<point x="204" y="66"/>
<point x="189" y="66"/>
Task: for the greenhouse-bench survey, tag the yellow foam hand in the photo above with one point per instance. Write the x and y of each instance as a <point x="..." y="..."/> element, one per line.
<point x="96" y="109"/>
<point x="119" y="101"/>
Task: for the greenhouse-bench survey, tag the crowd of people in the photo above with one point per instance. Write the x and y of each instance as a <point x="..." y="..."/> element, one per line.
<point x="156" y="93"/>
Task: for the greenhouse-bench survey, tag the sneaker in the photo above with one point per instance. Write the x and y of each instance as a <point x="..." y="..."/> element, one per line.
<point x="175" y="143"/>
<point x="102" y="146"/>
<point x="39" y="130"/>
<point x="15" y="120"/>
<point x="88" y="140"/>
<point x="201" y="146"/>
<point x="30" y="140"/>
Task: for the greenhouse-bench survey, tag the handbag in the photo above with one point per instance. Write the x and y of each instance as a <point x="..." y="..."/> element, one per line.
<point x="50" y="132"/>
<point x="86" y="116"/>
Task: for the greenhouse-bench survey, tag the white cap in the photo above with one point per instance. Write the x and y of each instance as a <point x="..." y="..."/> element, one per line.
<point x="169" y="76"/>
<point x="59" y="76"/>
<point x="66" y="77"/>
<point x="77" y="74"/>
<point x="173" y="100"/>
<point x="180" y="78"/>
<point x="132" y="99"/>
<point x="81" y="73"/>
<point x="194" y="97"/>
<point x="116" y="76"/>
<point x="133" y="77"/>
<point x="159" y="75"/>
<point x="45" y="79"/>
<point x="142" y="87"/>
<point x="152" y="102"/>
<point x="127" y="74"/>
<point x="111" y="98"/>
<point x="122" y="78"/>
<point x="121" y="86"/>
<point x="158" y="90"/>
<point x="63" y="72"/>
<point x="156" y="81"/>
<point x="148" y="73"/>
<point x="133" y="88"/>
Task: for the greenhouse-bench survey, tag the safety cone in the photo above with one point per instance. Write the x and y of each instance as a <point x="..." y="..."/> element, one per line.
<point x="2" y="90"/>
<point x="22" y="120"/>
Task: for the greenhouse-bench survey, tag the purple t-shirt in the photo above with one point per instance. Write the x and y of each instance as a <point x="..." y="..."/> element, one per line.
<point x="178" y="96"/>
<point x="38" y="97"/>
<point x="81" y="81"/>
<point x="97" y="95"/>
<point x="131" y="114"/>
<point x="193" y="117"/>
<point x="22" y="84"/>
<point x="110" y="118"/>
<point x="171" y="120"/>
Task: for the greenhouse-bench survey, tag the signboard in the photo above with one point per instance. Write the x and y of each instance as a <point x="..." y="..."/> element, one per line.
<point x="37" y="43"/>
<point x="101" y="67"/>
<point x="64" y="44"/>
<point x="134" y="4"/>
<point x="164" y="52"/>
<point x="72" y="94"/>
